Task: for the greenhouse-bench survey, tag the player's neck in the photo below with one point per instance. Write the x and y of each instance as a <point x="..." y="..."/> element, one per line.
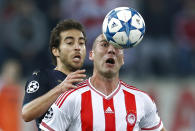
<point x="104" y="85"/>
<point x="63" y="69"/>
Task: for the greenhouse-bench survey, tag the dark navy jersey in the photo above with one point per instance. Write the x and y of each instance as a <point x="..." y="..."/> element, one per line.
<point x="40" y="83"/>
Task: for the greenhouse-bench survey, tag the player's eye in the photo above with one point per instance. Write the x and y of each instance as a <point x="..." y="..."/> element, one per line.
<point x="81" y="43"/>
<point x="69" y="43"/>
<point x="105" y="44"/>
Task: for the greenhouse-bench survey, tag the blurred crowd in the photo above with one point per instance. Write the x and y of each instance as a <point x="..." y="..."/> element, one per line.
<point x="167" y="50"/>
<point x="168" y="47"/>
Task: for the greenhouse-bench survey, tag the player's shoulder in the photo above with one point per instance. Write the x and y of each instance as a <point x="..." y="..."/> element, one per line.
<point x="82" y="84"/>
<point x="39" y="72"/>
<point x="134" y="90"/>
<point x="142" y="97"/>
<point x="39" y="75"/>
<point x="72" y="95"/>
<point x="37" y="78"/>
<point x="81" y="88"/>
<point x="129" y="87"/>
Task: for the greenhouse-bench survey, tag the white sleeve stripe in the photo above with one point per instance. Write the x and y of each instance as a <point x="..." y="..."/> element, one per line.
<point x="56" y="102"/>
<point x="153" y="128"/>
<point x="64" y="95"/>
<point x="67" y="94"/>
<point x="46" y="126"/>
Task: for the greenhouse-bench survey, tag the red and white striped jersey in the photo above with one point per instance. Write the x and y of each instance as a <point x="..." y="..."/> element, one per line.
<point x="87" y="109"/>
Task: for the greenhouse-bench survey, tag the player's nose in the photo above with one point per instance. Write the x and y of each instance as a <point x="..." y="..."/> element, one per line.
<point x="76" y="46"/>
<point x="111" y="49"/>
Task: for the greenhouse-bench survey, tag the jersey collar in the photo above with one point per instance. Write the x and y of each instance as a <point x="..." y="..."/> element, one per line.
<point x="100" y="93"/>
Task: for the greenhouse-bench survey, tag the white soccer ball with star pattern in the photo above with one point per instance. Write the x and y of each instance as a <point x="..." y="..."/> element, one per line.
<point x="123" y="27"/>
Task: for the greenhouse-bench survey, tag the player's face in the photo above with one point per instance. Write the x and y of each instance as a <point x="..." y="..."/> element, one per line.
<point x="72" y="49"/>
<point x="107" y="59"/>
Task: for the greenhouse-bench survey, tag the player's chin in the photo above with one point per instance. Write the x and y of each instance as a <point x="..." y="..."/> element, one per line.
<point x="77" y="66"/>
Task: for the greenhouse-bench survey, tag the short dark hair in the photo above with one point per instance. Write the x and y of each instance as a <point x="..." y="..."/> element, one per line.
<point x="60" y="27"/>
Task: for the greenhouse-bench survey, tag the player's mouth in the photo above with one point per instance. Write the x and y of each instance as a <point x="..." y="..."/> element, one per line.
<point x="77" y="58"/>
<point x="110" y="61"/>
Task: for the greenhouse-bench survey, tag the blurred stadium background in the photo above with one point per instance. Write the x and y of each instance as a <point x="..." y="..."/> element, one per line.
<point x="163" y="64"/>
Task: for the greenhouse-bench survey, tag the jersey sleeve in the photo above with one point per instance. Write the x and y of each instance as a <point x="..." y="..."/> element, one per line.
<point x="35" y="87"/>
<point x="151" y="120"/>
<point x="59" y="117"/>
<point x="55" y="120"/>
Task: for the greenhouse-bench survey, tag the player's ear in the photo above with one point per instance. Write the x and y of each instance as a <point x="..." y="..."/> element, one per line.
<point x="55" y="51"/>
<point x="91" y="55"/>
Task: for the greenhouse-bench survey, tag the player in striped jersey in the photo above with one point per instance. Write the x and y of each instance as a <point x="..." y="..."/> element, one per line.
<point x="103" y="102"/>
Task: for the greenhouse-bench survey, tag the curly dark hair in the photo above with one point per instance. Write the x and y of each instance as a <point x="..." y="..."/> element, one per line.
<point x="60" y="27"/>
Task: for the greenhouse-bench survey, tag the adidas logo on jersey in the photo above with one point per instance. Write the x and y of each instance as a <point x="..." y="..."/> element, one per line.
<point x="109" y="110"/>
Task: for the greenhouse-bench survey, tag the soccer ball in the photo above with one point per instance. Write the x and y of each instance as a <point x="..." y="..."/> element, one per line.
<point x="123" y="27"/>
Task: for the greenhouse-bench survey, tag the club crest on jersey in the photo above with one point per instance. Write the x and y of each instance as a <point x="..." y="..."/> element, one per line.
<point x="33" y="86"/>
<point x="131" y="119"/>
<point x="49" y="114"/>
